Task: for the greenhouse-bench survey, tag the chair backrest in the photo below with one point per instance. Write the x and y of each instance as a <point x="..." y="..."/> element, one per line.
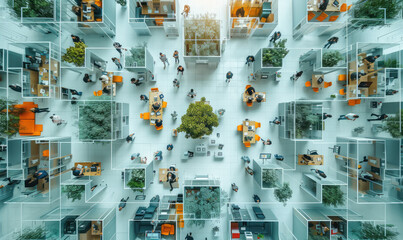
<point x="257" y="137"/>
<point x="100" y="92"/>
<point x="248" y="86"/>
<point x="247" y="144"/>
<point x="117" y="79"/>
<point x="327" y="84"/>
<point x="308" y="84"/>
<point x="342" y="77"/>
<point x="342" y="92"/>
<point x="146" y="116"/>
<point x="357" y="101"/>
<point x="333" y="18"/>
<point x="322" y="17"/>
<point x="351" y="102"/>
<point x="257" y="124"/>
<point x="45" y="153"/>
<point x="154" y="90"/>
<point x="164" y="104"/>
<point x="315" y="89"/>
<point x="239" y="128"/>
<point x="95" y="93"/>
<point x="141" y="115"/>
<point x="311" y="15"/>
<point x="343" y="7"/>
<point x="159" y="128"/>
<point x="249" y="104"/>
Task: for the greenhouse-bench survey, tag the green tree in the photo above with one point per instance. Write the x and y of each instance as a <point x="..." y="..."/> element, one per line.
<point x="74" y="192"/>
<point x="9" y="117"/>
<point x="199" y="120"/>
<point x="137" y="57"/>
<point x="392" y="125"/>
<point x="137" y="180"/>
<point x="332" y="196"/>
<point x="270" y="178"/>
<point x="274" y="56"/>
<point x="331" y="58"/>
<point x="95" y="120"/>
<point x="283" y="193"/>
<point x="32" y="8"/>
<point x="372" y="8"/>
<point x="305" y="119"/>
<point x="76" y="54"/>
<point x="203" y="202"/>
<point x="376" y="232"/>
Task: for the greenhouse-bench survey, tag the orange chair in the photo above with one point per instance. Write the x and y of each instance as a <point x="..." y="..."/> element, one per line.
<point x="333" y="18"/>
<point x="164" y="104"/>
<point x="45" y="153"/>
<point x="342" y="92"/>
<point x="154" y="90"/>
<point x="98" y="93"/>
<point x="257" y="137"/>
<point x="308" y="84"/>
<point x="343" y="7"/>
<point x="315" y="89"/>
<point x="247" y="144"/>
<point x="117" y="79"/>
<point x="181" y="222"/>
<point x="145" y="116"/>
<point x="357" y="101"/>
<point x="159" y="128"/>
<point x="167" y="229"/>
<point x="349" y="7"/>
<point x="248" y="86"/>
<point x="159" y="21"/>
<point x="327" y="84"/>
<point x="239" y="128"/>
<point x="258" y="124"/>
<point x="322" y="17"/>
<point x="351" y="102"/>
<point x="311" y="15"/>
<point x="249" y="104"/>
<point x="179" y="208"/>
<point x="342" y="77"/>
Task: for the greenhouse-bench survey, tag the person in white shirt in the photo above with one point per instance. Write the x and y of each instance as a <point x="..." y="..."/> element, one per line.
<point x="57" y="120"/>
<point x="104" y="79"/>
<point x="349" y="116"/>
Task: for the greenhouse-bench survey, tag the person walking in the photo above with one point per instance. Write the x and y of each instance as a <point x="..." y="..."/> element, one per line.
<point x="75" y="38"/>
<point x="176" y="56"/>
<point x="174" y="115"/>
<point x="75" y="92"/>
<point x="275" y="121"/>
<point x="130" y="138"/>
<point x="278" y="157"/>
<point x="170" y="147"/>
<point x="319" y="172"/>
<point x="229" y="76"/>
<point x="379" y="117"/>
<point x="122" y="203"/>
<point x="296" y="76"/>
<point x="117" y="62"/>
<point x="176" y="83"/>
<point x="249" y="59"/>
<point x="186" y="10"/>
<point x="137" y="82"/>
<point x="391" y="92"/>
<point x="171" y="178"/>
<point x="15" y="87"/>
<point x="349" y="116"/>
<point x="276" y="36"/>
<point x="180" y="70"/>
<point x="143" y="98"/>
<point x="234" y="187"/>
<point x="326" y="116"/>
<point x="86" y="78"/>
<point x="267" y="142"/>
<point x="192" y="93"/>
<point x="39" y="110"/>
<point x="134" y="156"/>
<point x="256" y="198"/>
<point x="119" y="48"/>
<point x="164" y="59"/>
<point x="331" y="41"/>
<point x="249" y="170"/>
<point x="56" y="119"/>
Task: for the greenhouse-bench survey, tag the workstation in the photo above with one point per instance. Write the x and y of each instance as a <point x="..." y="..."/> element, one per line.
<point x="155" y="109"/>
<point x="248" y="129"/>
<point x="311" y="224"/>
<point x="88" y="168"/>
<point x="249" y="99"/>
<point x="96" y="224"/>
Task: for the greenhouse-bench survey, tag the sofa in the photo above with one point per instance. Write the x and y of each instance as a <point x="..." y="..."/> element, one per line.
<point x="27" y="120"/>
<point x="154" y="203"/>
<point x="167" y="229"/>
<point x="258" y="213"/>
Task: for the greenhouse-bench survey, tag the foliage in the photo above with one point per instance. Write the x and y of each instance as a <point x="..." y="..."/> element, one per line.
<point x="199" y="120"/>
<point x="331" y="58"/>
<point x="203" y="26"/>
<point x="95" y="120"/>
<point x="32" y="8"/>
<point x="274" y="56"/>
<point x="9" y="123"/>
<point x="391" y="63"/>
<point x="73" y="192"/>
<point x="33" y="233"/>
<point x="371" y="9"/>
<point x="137" y="180"/>
<point x="203" y="48"/>
<point x="283" y="193"/>
<point x="203" y="202"/>
<point x="332" y="196"/>
<point x="260" y="236"/>
<point x="393" y="125"/>
<point x="358" y="130"/>
<point x="376" y="231"/>
<point x="137" y="58"/>
<point x="76" y="54"/>
<point x="122" y="2"/>
<point x="304" y="119"/>
<point x="270" y="178"/>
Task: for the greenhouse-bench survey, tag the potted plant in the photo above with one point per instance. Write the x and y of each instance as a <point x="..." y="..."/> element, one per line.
<point x="9" y="119"/>
<point x="332" y="196"/>
<point x="32" y="8"/>
<point x="260" y="236"/>
<point x="137" y="180"/>
<point x="333" y="96"/>
<point x="270" y="178"/>
<point x="32" y="233"/>
<point x="95" y="120"/>
<point x="76" y="54"/>
<point x="136" y="58"/>
<point x="376" y="232"/>
<point x="74" y="192"/>
<point x="273" y="57"/>
<point x="331" y="58"/>
<point x="199" y="120"/>
<point x="304" y="120"/>
<point x="283" y="193"/>
<point x="392" y="125"/>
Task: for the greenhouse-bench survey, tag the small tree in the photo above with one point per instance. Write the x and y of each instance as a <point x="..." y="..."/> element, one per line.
<point x="137" y="180"/>
<point x="32" y="8"/>
<point x="283" y="193"/>
<point x="199" y="120"/>
<point x="136" y="58"/>
<point x="9" y="118"/>
<point x="95" y="120"/>
<point x="358" y="130"/>
<point x="274" y="56"/>
<point x="74" y="192"/>
<point x="332" y="196"/>
<point x="330" y="59"/>
<point x="76" y="54"/>
<point x="376" y="232"/>
<point x="270" y="178"/>
<point x="393" y="125"/>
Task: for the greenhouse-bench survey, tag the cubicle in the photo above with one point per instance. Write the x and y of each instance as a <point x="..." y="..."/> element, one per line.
<point x="140" y="61"/>
<point x="138" y="175"/>
<point x="314" y="186"/>
<point x="269" y="170"/>
<point x="96" y="224"/>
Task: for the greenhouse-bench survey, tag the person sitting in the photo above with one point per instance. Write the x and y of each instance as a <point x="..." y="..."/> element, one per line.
<point x="259" y="98"/>
<point x="190" y="154"/>
<point x="32" y="182"/>
<point x="371" y="59"/>
<point x="323" y="4"/>
<point x="78" y="172"/>
<point x="250" y="99"/>
<point x="97" y="10"/>
<point x="278" y="157"/>
<point x="158" y="123"/>
<point x="76" y="10"/>
<point x="40" y="174"/>
<point x="156" y="106"/>
<point x="106" y="90"/>
<point x="250" y="90"/>
<point x="355" y="75"/>
<point x="171" y="178"/>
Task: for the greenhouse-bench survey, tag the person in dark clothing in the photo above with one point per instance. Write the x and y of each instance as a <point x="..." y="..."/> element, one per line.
<point x="119" y="47"/>
<point x="170" y="147"/>
<point x="130" y="138"/>
<point x="32" y="59"/>
<point x="323" y="5"/>
<point x="40" y="174"/>
<point x="331" y="41"/>
<point x="39" y="110"/>
<point x="296" y="76"/>
<point x="156" y="106"/>
<point x="249" y="170"/>
<point x="144" y="98"/>
<point x="106" y="90"/>
<point x="122" y="203"/>
<point x="256" y="198"/>
<point x="355" y="75"/>
<point x="189" y="236"/>
<point x="234" y="187"/>
<point x="229" y="76"/>
<point x="379" y="117"/>
<point x="278" y="157"/>
<point x="158" y="123"/>
<point x="97" y="10"/>
<point x="259" y="98"/>
<point x="276" y="36"/>
<point x="325" y="116"/>
<point x="249" y="60"/>
<point x="75" y="38"/>
<point x="171" y="178"/>
<point x="180" y="70"/>
<point x="319" y="172"/>
<point x="75" y="92"/>
<point x="76" y="10"/>
<point x="78" y="172"/>
<point x="32" y="182"/>
<point x="15" y="87"/>
<point x="275" y="121"/>
<point x="371" y="59"/>
<point x="86" y="78"/>
<point x="391" y="92"/>
<point x="135" y="81"/>
<point x="240" y="12"/>
<point x="250" y="90"/>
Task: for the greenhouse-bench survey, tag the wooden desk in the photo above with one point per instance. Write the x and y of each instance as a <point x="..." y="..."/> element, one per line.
<point x="91" y="15"/>
<point x="316" y="160"/>
<point x="370" y="77"/>
<point x="315" y="83"/>
<point x="313" y="6"/>
<point x="157" y="9"/>
<point x="247" y="133"/>
<point x="352" y="91"/>
<point x="96" y="232"/>
<point x="87" y="168"/>
<point x="245" y="96"/>
<point x="162" y="177"/>
<point x="110" y="84"/>
<point x="153" y="114"/>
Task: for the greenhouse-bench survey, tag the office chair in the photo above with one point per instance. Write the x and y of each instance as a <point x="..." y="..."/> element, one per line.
<point x="336" y="149"/>
<point x="312" y="152"/>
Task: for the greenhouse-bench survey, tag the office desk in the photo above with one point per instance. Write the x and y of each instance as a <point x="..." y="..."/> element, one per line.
<point x="87" y="168"/>
<point x="99" y="226"/>
<point x="110" y="84"/>
<point x="316" y="160"/>
<point x="370" y="77"/>
<point x="157" y="8"/>
<point x="315" y="78"/>
<point x="245" y="96"/>
<point x="154" y="97"/>
<point x="313" y="6"/>
<point x="247" y="133"/>
<point x="352" y="91"/>
<point x="162" y="177"/>
<point x="91" y="16"/>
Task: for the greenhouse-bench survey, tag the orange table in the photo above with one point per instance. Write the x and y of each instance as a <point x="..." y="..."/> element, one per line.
<point x="154" y="97"/>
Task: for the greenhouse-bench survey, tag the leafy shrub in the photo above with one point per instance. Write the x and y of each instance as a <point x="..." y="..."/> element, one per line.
<point x="332" y="196"/>
<point x="330" y="59"/>
<point x="283" y="193"/>
<point x="203" y="202"/>
<point x="393" y="125"/>
<point x="376" y="232"/>
<point x="137" y="179"/>
<point x="32" y="233"/>
<point x="76" y="54"/>
<point x="74" y="192"/>
<point x="274" y="56"/>
<point x="270" y="178"/>
<point x="32" y="8"/>
<point x="137" y="57"/>
<point x="9" y="125"/>
<point x="95" y="120"/>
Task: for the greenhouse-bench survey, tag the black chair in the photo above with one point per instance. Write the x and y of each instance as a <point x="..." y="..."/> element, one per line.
<point x="312" y="152"/>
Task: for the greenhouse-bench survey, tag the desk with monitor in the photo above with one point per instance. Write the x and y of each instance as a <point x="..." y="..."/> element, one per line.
<point x="90" y="168"/>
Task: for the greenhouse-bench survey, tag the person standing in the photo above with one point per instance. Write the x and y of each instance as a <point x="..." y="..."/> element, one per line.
<point x="326" y="116"/>
<point x="119" y="48"/>
<point x="56" y="119"/>
<point x="176" y="83"/>
<point x="180" y="70"/>
<point x="296" y="76"/>
<point x="267" y="142"/>
<point x="130" y="138"/>
<point x="379" y="117"/>
<point x="249" y="59"/>
<point x="170" y="147"/>
<point x="349" y="116"/>
<point x="15" y="87"/>
<point x="134" y="156"/>
<point x="143" y="98"/>
<point x="391" y="92"/>
<point x="75" y="38"/>
<point x="331" y="41"/>
<point x="164" y="59"/>
<point x="86" y="78"/>
<point x="319" y="172"/>
<point x="174" y="115"/>
<point x="192" y="93"/>
<point x="229" y="76"/>
<point x="122" y="203"/>
<point x="249" y="170"/>
<point x="275" y="121"/>
<point x="278" y="157"/>
<point x="75" y="92"/>
<point x="117" y="62"/>
<point x="176" y="56"/>
<point x="276" y="36"/>
<point x="256" y="198"/>
<point x="234" y="187"/>
<point x="39" y="110"/>
<point x="136" y="82"/>
<point x="371" y="59"/>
